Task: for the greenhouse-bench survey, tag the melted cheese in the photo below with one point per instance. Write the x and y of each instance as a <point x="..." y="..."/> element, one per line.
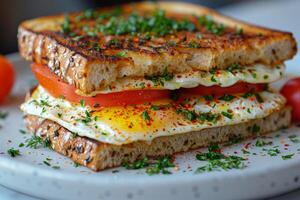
<point x="123" y="125"/>
<point x="252" y="74"/>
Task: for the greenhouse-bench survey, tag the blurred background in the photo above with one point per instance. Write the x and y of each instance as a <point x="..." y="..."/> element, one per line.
<point x="12" y="12"/>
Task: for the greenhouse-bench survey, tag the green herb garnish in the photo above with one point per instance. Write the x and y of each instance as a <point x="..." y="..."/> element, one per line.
<point x="3" y="115"/>
<point x="145" y="115"/>
<point x="261" y="143"/>
<point x="210" y="25"/>
<point x="157" y="24"/>
<point x="82" y="103"/>
<point x="192" y="115"/>
<point x="157" y="166"/>
<point x="288" y="156"/>
<point x="36" y="142"/>
<point x="13" y="152"/>
<point x="160" y="79"/>
<point x="227" y="114"/>
<point x="66" y="25"/>
<point x="121" y="53"/>
<point x="259" y="98"/>
<point x="87" y="118"/>
<point x="294" y="138"/>
<point x="227" y="97"/>
<point x="218" y="161"/>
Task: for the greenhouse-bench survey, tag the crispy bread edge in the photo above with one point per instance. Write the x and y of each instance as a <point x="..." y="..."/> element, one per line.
<point x="89" y="73"/>
<point x="99" y="156"/>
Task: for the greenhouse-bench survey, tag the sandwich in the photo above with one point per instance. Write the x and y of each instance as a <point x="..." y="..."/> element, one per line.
<point x="119" y="84"/>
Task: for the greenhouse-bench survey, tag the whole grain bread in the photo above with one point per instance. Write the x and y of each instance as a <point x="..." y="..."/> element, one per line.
<point x="98" y="156"/>
<point x="90" y="69"/>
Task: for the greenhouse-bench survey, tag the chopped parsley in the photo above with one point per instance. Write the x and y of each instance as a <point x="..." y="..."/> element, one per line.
<point x="234" y="140"/>
<point x="156" y="166"/>
<point x="193" y="44"/>
<point x="239" y="31"/>
<point x="261" y="143"/>
<point x="145" y="115"/>
<point x="82" y="103"/>
<point x="288" y="156"/>
<point x="233" y="67"/>
<point x="273" y="151"/>
<point x="247" y="95"/>
<point x="22" y="131"/>
<point x="294" y="138"/>
<point x="156" y="24"/>
<point x="255" y="128"/>
<point x="218" y="161"/>
<point x="213" y="79"/>
<point x="139" y="164"/>
<point x="75" y="164"/>
<point x="208" y="97"/>
<point x="13" y="152"/>
<point x="227" y="97"/>
<point x="46" y="163"/>
<point x="192" y="115"/>
<point x="3" y="115"/>
<point x="155" y="107"/>
<point x="254" y="75"/>
<point x="259" y="98"/>
<point x="210" y="25"/>
<point x="87" y="118"/>
<point x="66" y="26"/>
<point x="227" y="114"/>
<point x="21" y="145"/>
<point x="121" y="53"/>
<point x="160" y="79"/>
<point x="36" y="142"/>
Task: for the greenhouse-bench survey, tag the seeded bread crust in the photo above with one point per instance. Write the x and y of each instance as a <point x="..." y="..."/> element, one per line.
<point x="40" y="41"/>
<point x="99" y="156"/>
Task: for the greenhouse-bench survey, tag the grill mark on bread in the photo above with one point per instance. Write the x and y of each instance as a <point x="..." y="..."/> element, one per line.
<point x="88" y="72"/>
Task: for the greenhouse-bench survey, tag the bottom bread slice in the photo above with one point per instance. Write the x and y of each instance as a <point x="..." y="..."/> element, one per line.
<point x="98" y="156"/>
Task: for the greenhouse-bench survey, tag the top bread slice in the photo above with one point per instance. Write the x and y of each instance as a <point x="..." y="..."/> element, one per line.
<point x="91" y="60"/>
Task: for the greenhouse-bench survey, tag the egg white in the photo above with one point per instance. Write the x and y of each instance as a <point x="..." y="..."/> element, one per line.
<point x="257" y="73"/>
<point x="123" y="125"/>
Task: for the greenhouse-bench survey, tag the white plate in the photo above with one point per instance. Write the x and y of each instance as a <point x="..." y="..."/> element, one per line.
<point x="264" y="176"/>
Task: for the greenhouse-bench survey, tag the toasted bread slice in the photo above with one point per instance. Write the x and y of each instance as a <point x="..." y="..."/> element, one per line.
<point x="98" y="156"/>
<point x="90" y="57"/>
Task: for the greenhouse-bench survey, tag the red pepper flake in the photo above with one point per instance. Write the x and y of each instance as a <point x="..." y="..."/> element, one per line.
<point x="247" y="145"/>
<point x="136" y="39"/>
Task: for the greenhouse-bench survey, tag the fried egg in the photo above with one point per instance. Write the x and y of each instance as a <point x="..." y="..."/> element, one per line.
<point x="257" y="73"/>
<point x="126" y="124"/>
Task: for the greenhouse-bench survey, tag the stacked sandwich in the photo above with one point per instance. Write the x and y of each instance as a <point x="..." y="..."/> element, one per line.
<point x="150" y="79"/>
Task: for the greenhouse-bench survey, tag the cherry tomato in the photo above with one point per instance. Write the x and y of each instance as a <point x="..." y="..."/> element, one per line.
<point x="291" y="91"/>
<point x="56" y="87"/>
<point x="7" y="78"/>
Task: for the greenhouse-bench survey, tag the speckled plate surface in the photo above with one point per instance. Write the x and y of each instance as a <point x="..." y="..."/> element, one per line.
<point x="264" y="175"/>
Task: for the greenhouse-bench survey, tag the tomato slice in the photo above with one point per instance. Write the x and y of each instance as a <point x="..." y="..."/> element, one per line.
<point x="240" y="87"/>
<point x="56" y="87"/>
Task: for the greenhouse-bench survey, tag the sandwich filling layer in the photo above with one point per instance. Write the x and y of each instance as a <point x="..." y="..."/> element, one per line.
<point x="144" y="122"/>
<point x="257" y="73"/>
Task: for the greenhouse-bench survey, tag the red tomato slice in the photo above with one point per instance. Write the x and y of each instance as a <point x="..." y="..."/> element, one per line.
<point x="7" y="78"/>
<point x="56" y="87"/>
<point x="216" y="90"/>
<point x="291" y="91"/>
